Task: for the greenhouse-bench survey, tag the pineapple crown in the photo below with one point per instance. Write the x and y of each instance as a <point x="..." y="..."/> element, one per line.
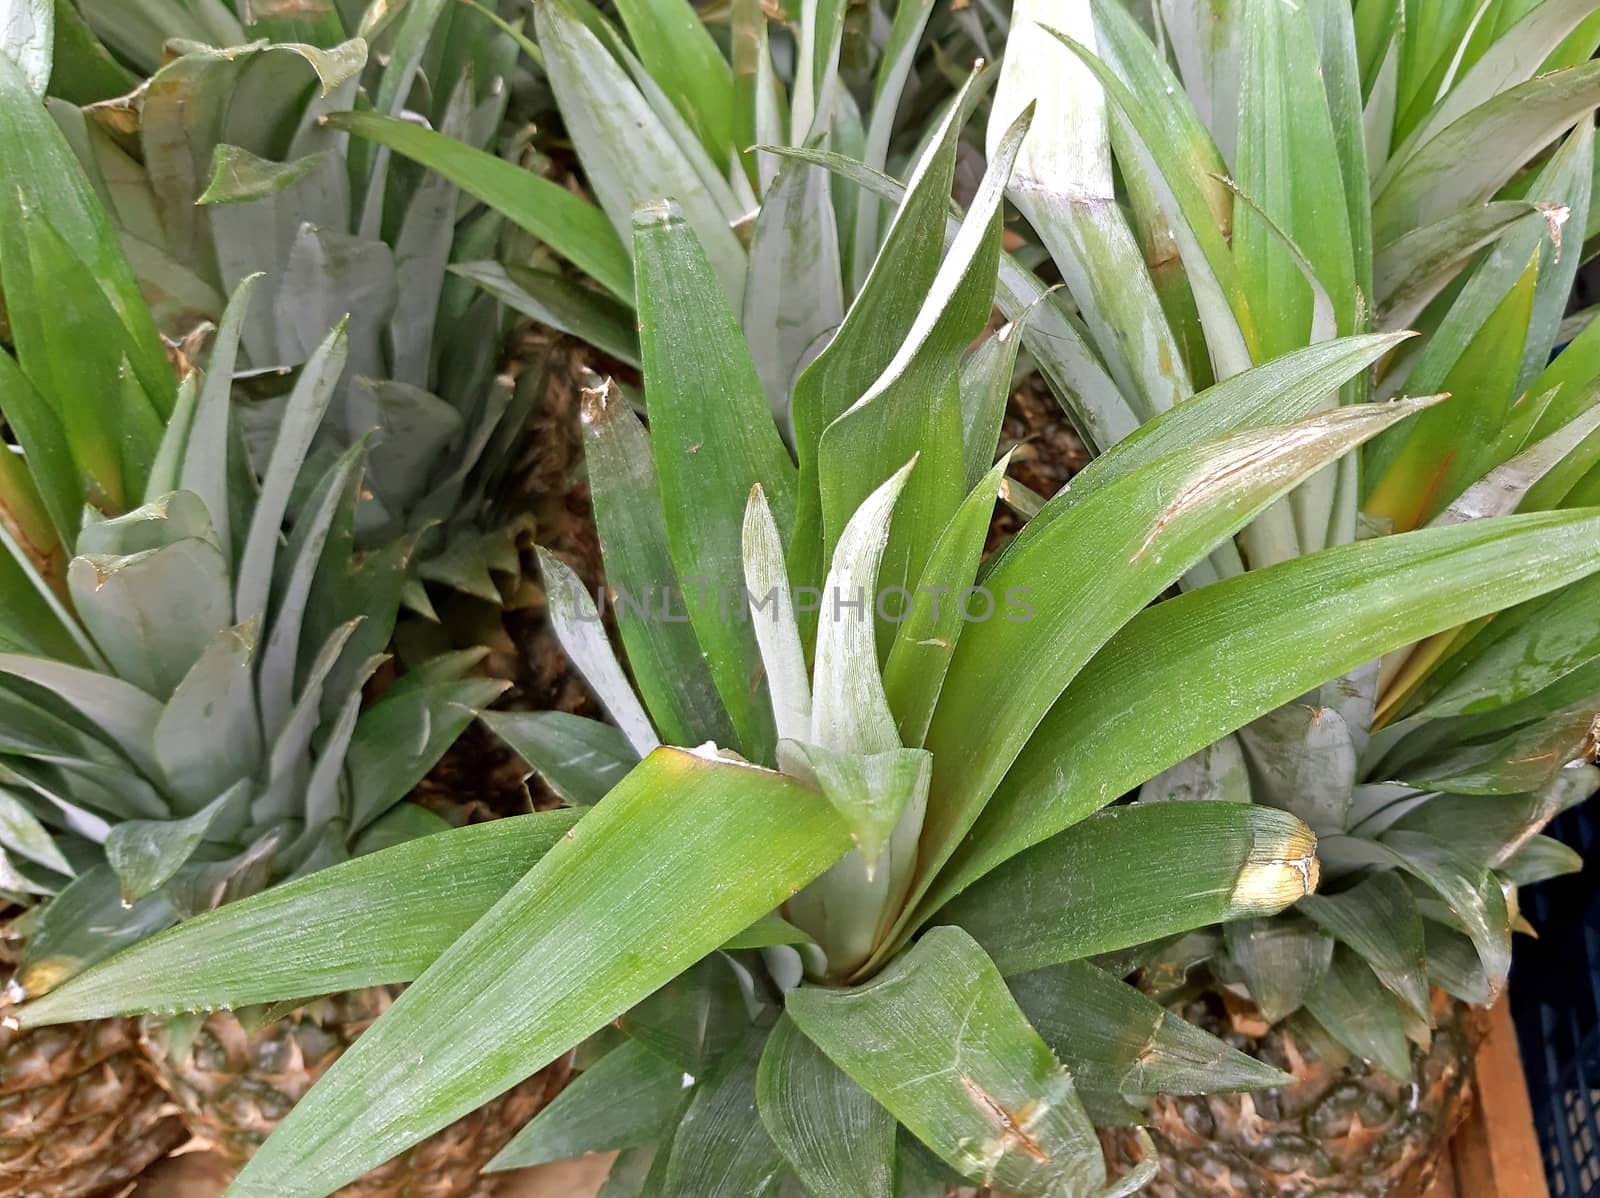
<point x="890" y="906"/>
<point x="1415" y="188"/>
<point x="207" y="735"/>
<point x="904" y="901"/>
<point x="268" y="186"/>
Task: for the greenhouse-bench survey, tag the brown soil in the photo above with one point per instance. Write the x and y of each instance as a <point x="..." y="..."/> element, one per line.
<point x="1047" y="452"/>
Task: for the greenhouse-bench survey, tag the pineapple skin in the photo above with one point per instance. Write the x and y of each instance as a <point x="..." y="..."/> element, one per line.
<point x="1343" y="1130"/>
<point x="235" y="1085"/>
<point x="80" y="1115"/>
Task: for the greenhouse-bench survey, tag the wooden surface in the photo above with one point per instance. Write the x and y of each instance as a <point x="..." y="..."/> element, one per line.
<point x="1494" y="1155"/>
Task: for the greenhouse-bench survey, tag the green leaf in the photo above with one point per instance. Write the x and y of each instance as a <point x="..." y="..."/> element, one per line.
<point x="679" y="53"/>
<point x="938" y="1040"/>
<point x="1541" y="859"/>
<point x="721" y="1149"/>
<point x="1341" y="74"/>
<point x="145" y="853"/>
<point x="713" y="440"/>
<point x="1417" y="471"/>
<point x="1454" y="967"/>
<point x="562" y="303"/>
<point x="402" y="736"/>
<point x="45" y="178"/>
<point x="81" y="359"/>
<point x="663" y="653"/>
<point x="985" y="387"/>
<point x="412" y="33"/>
<point x="696" y="1017"/>
<point x="301" y="419"/>
<point x="629" y="154"/>
<point x="1468" y="161"/>
<point x="1288" y="164"/>
<point x="48" y="470"/>
<point x="1502" y="489"/>
<point x="332" y="499"/>
<point x="384" y="918"/>
<point x="1217" y="773"/>
<point x="1519" y="654"/>
<point x="119" y="711"/>
<point x="894" y="69"/>
<point x="1082" y="892"/>
<point x="22" y="834"/>
<point x="238" y="176"/>
<point x="1513" y="57"/>
<point x="624" y="1100"/>
<point x="1280" y="960"/>
<point x="849" y="711"/>
<point x="1468" y="888"/>
<point x="84" y="72"/>
<point x="576" y="623"/>
<point x="847" y="908"/>
<point x="570" y="225"/>
<point x="209" y="734"/>
<point x="401" y="824"/>
<point x="666" y="840"/>
<point x="1261" y="640"/>
<point x="913" y="407"/>
<point x="580" y="759"/>
<point x="834" y="1135"/>
<point x="1378" y="919"/>
<point x="1528" y="758"/>
<point x="1491" y="827"/>
<point x="767" y="932"/>
<point x="1410" y="272"/>
<point x="205" y="469"/>
<point x="1303" y="761"/>
<point x="870" y="791"/>
<point x="1063" y="186"/>
<point x="1118" y="1041"/>
<point x="793" y="297"/>
<point x="873" y="332"/>
<point x="1156" y="522"/>
<point x="85" y="923"/>
<point x="1361" y="1014"/>
<point x="930" y="628"/>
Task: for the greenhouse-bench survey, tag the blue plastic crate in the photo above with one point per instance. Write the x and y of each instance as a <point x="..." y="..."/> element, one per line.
<point x="1555" y="1000"/>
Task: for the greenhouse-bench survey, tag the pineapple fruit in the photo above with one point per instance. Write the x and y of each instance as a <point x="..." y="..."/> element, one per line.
<point x="236" y="1078"/>
<point x="1343" y="1126"/>
<point x="79" y="1115"/>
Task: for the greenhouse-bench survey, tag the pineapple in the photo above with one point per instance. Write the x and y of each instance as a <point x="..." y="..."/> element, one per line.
<point x="235" y="1080"/>
<point x="1263" y="217"/>
<point x="845" y="896"/>
<point x="334" y="228"/>
<point x="79" y="1117"/>
<point x="182" y="676"/>
<point x="1343" y="1125"/>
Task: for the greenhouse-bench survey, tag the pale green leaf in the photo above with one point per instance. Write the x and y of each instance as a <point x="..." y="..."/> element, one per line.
<point x="836" y="1137"/>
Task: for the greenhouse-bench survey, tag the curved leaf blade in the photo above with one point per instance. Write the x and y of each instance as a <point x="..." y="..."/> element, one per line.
<point x="522" y="986"/>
